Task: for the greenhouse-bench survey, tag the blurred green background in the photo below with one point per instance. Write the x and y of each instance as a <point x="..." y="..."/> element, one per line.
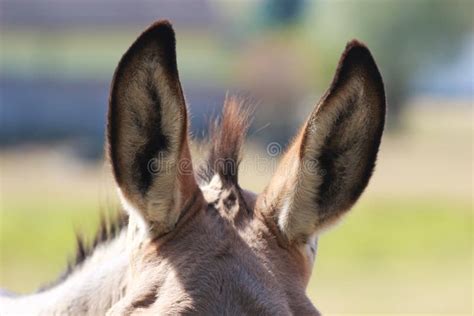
<point x="406" y="247"/>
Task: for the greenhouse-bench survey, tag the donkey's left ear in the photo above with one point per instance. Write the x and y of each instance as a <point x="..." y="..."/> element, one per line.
<point x="147" y="131"/>
<point x="331" y="161"/>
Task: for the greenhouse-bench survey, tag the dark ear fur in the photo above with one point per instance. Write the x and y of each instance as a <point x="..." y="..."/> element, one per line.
<point x="333" y="157"/>
<point x="147" y="128"/>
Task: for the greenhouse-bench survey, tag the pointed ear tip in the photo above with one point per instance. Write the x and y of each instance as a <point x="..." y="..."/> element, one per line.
<point x="357" y="52"/>
<point x="161" y="30"/>
<point x="355" y="43"/>
<point x="164" y="25"/>
<point x="357" y="55"/>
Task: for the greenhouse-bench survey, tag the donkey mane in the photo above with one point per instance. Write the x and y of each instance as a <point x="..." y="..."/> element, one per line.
<point x="227" y="136"/>
<point x="109" y="227"/>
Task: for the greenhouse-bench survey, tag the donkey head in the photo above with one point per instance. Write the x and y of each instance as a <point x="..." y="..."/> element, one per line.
<point x="197" y="241"/>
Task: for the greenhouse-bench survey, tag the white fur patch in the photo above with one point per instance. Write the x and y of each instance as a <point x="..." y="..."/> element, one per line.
<point x="213" y="189"/>
<point x="284" y="218"/>
<point x="132" y="211"/>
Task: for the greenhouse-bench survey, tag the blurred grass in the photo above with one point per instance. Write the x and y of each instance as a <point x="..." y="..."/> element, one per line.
<point x="36" y="243"/>
<point x="383" y="230"/>
<point x="397" y="255"/>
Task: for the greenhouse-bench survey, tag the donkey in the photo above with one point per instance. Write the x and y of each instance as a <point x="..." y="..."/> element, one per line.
<point x="196" y="242"/>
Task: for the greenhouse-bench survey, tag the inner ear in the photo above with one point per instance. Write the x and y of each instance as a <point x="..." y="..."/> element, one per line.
<point x="343" y="135"/>
<point x="156" y="142"/>
<point x="147" y="116"/>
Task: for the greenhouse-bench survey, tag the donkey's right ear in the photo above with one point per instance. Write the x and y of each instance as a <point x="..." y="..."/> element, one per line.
<point x="331" y="160"/>
<point x="147" y="131"/>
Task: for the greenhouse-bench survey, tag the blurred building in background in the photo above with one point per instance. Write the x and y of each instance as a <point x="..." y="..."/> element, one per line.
<point x="58" y="57"/>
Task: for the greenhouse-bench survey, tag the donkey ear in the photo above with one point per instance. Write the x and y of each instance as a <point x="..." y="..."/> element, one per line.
<point x="147" y="131"/>
<point x="332" y="158"/>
